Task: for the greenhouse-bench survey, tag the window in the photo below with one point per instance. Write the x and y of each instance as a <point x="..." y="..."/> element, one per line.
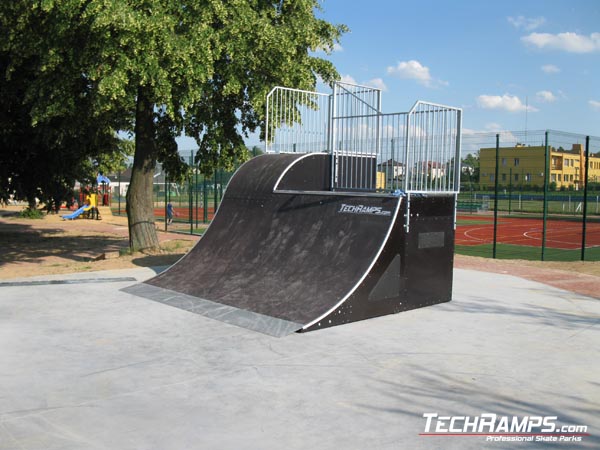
<point x="559" y="177"/>
<point x="516" y="162"/>
<point x="553" y="177"/>
<point x="503" y="161"/>
<point x="503" y="177"/>
<point x="566" y="162"/>
<point x="528" y="178"/>
<point x="491" y="177"/>
<point x="516" y="177"/>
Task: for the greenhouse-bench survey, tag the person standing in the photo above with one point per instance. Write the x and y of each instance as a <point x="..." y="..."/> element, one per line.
<point x="170" y="213"/>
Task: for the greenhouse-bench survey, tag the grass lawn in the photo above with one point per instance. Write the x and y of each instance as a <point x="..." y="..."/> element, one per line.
<point x="508" y="251"/>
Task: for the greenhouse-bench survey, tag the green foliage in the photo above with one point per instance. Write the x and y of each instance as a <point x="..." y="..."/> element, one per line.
<point x="471" y="174"/>
<point x="50" y="130"/>
<point x="154" y="69"/>
<point x="31" y="213"/>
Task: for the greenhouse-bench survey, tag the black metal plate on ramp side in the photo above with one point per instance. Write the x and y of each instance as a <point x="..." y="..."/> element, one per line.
<point x="289" y="257"/>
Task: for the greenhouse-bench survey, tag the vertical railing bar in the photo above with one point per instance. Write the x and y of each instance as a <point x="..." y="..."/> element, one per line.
<point x="406" y="150"/>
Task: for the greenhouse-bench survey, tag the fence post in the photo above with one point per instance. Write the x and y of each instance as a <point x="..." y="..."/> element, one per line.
<point x="509" y="189"/>
<point x="215" y="190"/>
<point x="496" y="194"/>
<point x="166" y="198"/>
<point x="205" y="200"/>
<point x="196" y="190"/>
<point x="191" y="194"/>
<point x="119" y="182"/>
<point x="545" y="203"/>
<point x="585" y="195"/>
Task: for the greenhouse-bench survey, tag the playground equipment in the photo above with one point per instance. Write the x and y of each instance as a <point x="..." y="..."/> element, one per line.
<point x="103" y="189"/>
<point x="350" y="215"/>
<point x="90" y="208"/>
<point x="77" y="213"/>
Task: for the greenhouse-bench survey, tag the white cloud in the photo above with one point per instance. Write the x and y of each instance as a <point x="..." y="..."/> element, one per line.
<point x="506" y="102"/>
<point x="523" y="23"/>
<point x="486" y="129"/>
<point x="594" y="104"/>
<point x="414" y="70"/>
<point x="337" y="47"/>
<point x="493" y="126"/>
<point x="348" y="79"/>
<point x="377" y="83"/>
<point x="545" y="96"/>
<point x="569" y="42"/>
<point x="550" y="68"/>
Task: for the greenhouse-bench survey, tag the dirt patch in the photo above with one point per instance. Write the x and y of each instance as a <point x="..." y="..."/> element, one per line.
<point x="52" y="245"/>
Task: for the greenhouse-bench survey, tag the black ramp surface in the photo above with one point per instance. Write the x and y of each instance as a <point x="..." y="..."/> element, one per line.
<point x="286" y="256"/>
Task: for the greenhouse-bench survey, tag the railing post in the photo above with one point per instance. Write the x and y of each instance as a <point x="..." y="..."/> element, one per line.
<point x="406" y="152"/>
<point x="332" y="104"/>
<point x="457" y="163"/>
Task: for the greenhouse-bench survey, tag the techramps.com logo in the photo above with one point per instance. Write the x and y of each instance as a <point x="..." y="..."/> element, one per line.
<point x="363" y="209"/>
<point x="496" y="428"/>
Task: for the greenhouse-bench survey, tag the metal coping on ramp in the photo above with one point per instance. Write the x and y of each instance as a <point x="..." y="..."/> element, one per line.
<point x="81" y="281"/>
<point x="224" y="313"/>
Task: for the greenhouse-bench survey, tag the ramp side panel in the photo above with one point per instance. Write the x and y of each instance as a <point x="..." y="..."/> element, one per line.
<point x="413" y="270"/>
<point x="429" y="251"/>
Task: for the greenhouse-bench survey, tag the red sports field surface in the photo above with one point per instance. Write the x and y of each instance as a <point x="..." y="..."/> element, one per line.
<point x="560" y="234"/>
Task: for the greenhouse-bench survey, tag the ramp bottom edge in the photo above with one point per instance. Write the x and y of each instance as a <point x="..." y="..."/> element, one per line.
<point x="228" y="314"/>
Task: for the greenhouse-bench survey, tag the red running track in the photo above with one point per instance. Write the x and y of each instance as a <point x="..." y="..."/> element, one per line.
<point x="560" y="234"/>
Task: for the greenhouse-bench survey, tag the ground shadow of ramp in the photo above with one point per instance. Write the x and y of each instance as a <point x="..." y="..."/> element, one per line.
<point x="284" y="255"/>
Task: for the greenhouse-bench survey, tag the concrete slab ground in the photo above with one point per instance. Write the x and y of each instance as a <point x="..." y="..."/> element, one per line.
<point x="86" y="366"/>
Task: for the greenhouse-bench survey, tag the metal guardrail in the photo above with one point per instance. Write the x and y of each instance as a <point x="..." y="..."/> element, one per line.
<point x="415" y="151"/>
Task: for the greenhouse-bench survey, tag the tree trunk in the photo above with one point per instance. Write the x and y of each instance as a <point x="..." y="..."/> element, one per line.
<point x="140" y="204"/>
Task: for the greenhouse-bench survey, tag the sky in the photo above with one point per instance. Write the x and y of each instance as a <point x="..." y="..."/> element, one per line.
<point x="510" y="65"/>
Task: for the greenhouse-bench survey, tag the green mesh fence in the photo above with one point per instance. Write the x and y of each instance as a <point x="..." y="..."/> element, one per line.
<point x="524" y="195"/>
<point x="530" y="195"/>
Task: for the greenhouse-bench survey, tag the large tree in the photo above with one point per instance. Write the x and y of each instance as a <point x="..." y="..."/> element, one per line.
<point x="163" y="67"/>
<point x="43" y="160"/>
<point x="50" y="132"/>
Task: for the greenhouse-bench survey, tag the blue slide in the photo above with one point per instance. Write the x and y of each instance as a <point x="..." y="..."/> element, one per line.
<point x="77" y="213"/>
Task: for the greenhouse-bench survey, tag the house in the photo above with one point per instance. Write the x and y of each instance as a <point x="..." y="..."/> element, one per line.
<point x="120" y="181"/>
<point x="432" y="169"/>
<point x="393" y="172"/>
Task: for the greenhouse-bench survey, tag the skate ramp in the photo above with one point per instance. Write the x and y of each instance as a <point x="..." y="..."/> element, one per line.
<point x="284" y="255"/>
